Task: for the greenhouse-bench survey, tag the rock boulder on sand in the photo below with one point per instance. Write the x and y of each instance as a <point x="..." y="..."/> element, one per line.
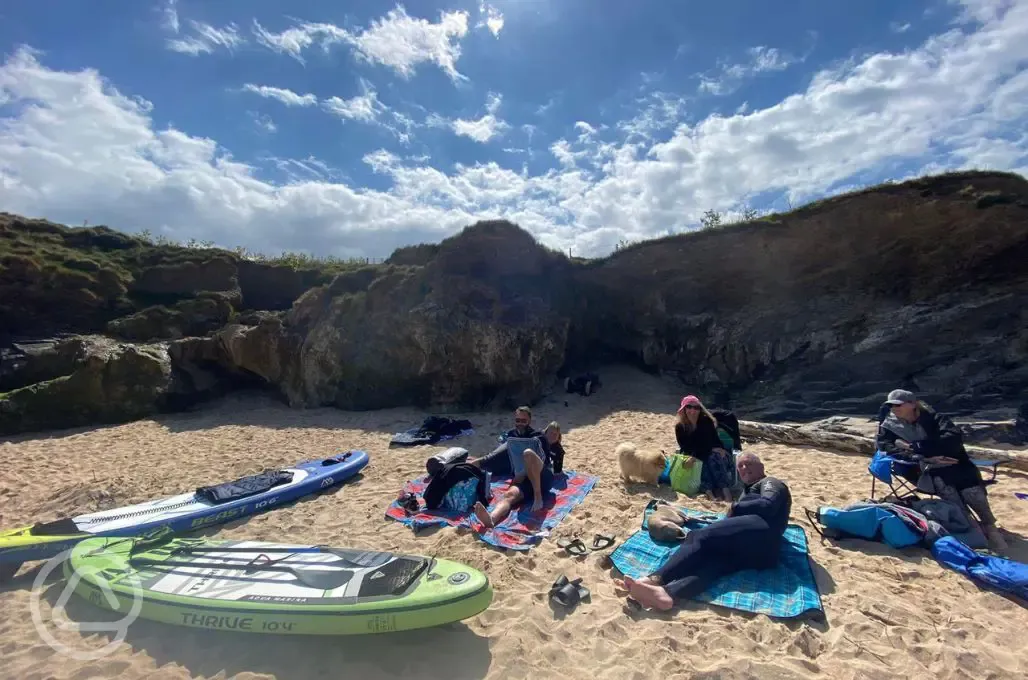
<point x="86" y="380"/>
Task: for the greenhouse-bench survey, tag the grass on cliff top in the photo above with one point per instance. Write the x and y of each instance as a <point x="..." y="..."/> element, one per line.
<point x="80" y="251"/>
<point x="956" y="182"/>
<point x="85" y="250"/>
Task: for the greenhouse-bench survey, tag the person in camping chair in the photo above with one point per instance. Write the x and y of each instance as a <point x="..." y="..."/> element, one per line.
<point x="749" y="537"/>
<point x="910" y="430"/>
<point x="527" y="488"/>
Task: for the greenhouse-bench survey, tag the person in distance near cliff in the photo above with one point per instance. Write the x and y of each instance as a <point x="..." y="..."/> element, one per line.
<point x="527" y="488"/>
<point x="911" y="430"/>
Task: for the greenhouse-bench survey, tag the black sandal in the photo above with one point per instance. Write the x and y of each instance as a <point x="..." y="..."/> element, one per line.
<point x="603" y="541"/>
<point x="574" y="546"/>
<point x="568" y="593"/>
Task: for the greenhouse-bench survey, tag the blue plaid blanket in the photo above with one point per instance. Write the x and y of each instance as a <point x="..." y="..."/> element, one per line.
<point x="787" y="591"/>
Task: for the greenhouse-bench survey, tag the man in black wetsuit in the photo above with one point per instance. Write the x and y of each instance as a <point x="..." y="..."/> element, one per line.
<point x="528" y="488"/>
<point x="748" y="538"/>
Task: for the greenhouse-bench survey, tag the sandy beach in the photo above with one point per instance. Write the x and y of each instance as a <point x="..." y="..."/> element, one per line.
<point x="890" y="613"/>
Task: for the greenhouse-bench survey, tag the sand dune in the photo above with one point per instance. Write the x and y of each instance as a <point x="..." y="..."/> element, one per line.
<point x="889" y="613"/>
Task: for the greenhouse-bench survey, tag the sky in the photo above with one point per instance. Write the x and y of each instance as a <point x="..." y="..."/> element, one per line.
<point x="350" y="128"/>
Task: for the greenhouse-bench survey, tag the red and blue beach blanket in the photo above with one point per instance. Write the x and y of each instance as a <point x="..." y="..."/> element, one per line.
<point x="522" y="529"/>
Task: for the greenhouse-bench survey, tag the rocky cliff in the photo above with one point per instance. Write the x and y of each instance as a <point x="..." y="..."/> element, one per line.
<point x="921" y="284"/>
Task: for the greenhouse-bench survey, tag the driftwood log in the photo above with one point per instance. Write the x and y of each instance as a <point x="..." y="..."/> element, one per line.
<point x="800" y="435"/>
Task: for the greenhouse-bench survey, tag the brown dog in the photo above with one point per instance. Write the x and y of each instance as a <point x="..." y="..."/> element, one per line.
<point x="641" y="464"/>
<point x="665" y="524"/>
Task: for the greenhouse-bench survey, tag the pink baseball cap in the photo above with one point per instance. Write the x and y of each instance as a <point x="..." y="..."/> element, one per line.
<point x="687" y="400"/>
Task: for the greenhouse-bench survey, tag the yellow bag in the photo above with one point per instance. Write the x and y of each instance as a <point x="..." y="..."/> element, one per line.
<point x="683" y="473"/>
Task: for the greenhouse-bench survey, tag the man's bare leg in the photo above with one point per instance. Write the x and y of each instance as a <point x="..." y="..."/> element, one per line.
<point x="500" y="512"/>
<point x="534" y="469"/>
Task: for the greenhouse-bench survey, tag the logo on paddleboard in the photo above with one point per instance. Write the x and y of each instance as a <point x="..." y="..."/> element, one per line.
<point x="98" y="592"/>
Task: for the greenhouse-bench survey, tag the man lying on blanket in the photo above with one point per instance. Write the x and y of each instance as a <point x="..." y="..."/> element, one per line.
<point x="748" y="538"/>
<point x="529" y="487"/>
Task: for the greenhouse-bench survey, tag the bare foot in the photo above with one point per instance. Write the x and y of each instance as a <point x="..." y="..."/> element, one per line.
<point x="483" y="515"/>
<point x="537" y="505"/>
<point x="624" y="585"/>
<point x="650" y="595"/>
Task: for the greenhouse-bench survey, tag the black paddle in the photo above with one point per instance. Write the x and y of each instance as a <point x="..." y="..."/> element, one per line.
<point x="319" y="579"/>
<point x="341" y="554"/>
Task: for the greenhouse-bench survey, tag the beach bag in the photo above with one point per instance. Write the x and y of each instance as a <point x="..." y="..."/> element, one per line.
<point x="683" y="473"/>
<point x="456" y="488"/>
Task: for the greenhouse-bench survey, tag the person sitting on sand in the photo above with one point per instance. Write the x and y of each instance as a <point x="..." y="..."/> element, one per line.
<point x="696" y="432"/>
<point x="526" y="488"/>
<point x="748" y="538"/>
<point x="553" y="438"/>
<point x="910" y="430"/>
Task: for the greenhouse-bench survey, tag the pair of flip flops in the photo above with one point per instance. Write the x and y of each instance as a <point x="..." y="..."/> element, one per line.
<point x="576" y="546"/>
<point x="568" y="593"/>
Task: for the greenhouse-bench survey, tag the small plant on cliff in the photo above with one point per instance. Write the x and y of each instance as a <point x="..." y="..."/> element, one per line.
<point x="711" y="219"/>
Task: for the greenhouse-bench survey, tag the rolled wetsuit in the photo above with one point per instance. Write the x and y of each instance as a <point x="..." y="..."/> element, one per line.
<point x="749" y="538"/>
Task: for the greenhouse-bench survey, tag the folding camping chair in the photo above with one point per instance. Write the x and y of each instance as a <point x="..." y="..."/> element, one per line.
<point x="901" y="475"/>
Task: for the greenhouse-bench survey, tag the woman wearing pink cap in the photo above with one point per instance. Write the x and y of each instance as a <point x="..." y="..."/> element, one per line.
<point x="696" y="432"/>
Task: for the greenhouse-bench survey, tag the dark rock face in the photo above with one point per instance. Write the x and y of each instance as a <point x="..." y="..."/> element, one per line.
<point x="89" y="380"/>
<point x="827" y="309"/>
<point x="822" y="311"/>
<point x="479" y="324"/>
<point x="188" y="278"/>
<point x="198" y="316"/>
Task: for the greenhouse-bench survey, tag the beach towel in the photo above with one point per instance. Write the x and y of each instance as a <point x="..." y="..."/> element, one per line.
<point x="1002" y="574"/>
<point x="789" y="590"/>
<point x="522" y="529"/>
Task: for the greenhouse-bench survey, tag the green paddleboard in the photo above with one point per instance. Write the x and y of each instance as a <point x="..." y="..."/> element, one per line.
<point x="258" y="587"/>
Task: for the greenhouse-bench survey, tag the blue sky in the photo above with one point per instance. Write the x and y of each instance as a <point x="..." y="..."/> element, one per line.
<point x="355" y="127"/>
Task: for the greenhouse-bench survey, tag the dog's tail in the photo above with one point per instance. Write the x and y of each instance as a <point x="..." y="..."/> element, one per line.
<point x="625" y="449"/>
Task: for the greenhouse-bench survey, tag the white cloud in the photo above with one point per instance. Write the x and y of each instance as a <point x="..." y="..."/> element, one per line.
<point x="263" y="122"/>
<point x="485" y="128"/>
<point x="287" y="97"/>
<point x="730" y="76"/>
<point x="171" y="16"/>
<point x="897" y="27"/>
<point x="293" y="41"/>
<point x="397" y="41"/>
<point x="205" y="39"/>
<point x="364" y="107"/>
<point x="493" y="19"/>
<point x="73" y="148"/>
<point x="401" y="42"/>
